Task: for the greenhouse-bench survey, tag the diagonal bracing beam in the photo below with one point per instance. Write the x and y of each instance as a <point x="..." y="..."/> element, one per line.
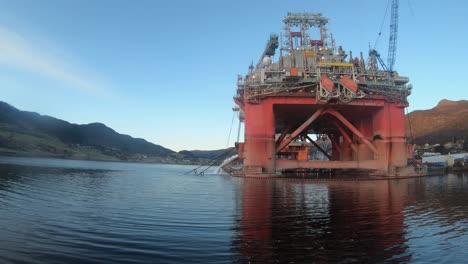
<point x="345" y="135"/>
<point x="284" y="134"/>
<point x="335" y="144"/>
<point x="299" y="130"/>
<point x="319" y="148"/>
<point x="351" y="127"/>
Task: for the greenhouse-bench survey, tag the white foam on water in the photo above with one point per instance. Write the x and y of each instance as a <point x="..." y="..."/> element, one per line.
<point x="220" y="170"/>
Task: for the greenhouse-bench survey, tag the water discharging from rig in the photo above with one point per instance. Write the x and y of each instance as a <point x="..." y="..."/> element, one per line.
<point x="56" y="211"/>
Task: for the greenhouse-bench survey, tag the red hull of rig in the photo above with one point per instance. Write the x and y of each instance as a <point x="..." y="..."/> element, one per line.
<point x="366" y="134"/>
<point x="354" y="110"/>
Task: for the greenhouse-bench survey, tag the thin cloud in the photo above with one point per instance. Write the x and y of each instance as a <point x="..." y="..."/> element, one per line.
<point x="19" y="52"/>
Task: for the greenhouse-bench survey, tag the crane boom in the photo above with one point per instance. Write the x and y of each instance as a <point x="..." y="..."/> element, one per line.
<point x="270" y="49"/>
<point x="392" y="45"/>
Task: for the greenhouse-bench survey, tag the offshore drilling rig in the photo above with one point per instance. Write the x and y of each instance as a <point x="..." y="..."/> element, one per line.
<point x="320" y="108"/>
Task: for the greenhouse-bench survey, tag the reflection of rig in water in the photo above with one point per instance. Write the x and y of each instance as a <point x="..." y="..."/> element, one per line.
<point x="316" y="89"/>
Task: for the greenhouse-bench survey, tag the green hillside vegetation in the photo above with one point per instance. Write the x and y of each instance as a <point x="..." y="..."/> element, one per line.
<point x="25" y="133"/>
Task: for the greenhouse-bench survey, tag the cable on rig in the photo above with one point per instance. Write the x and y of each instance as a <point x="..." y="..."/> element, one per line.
<point x="209" y="163"/>
<point x="230" y="130"/>
<point x="409" y="124"/>
<point x="381" y="26"/>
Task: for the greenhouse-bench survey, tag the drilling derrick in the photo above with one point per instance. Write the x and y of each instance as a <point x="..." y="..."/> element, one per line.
<point x="317" y="107"/>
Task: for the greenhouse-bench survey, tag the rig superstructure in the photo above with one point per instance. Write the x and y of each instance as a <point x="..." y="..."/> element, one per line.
<point x="317" y="98"/>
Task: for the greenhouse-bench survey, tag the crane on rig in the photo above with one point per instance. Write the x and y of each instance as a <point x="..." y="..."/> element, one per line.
<point x="269" y="51"/>
<point x="392" y="43"/>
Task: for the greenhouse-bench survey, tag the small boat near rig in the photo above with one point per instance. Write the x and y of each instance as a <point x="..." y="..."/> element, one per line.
<point x="319" y="108"/>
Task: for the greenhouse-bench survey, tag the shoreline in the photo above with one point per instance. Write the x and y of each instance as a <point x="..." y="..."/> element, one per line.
<point x="12" y="153"/>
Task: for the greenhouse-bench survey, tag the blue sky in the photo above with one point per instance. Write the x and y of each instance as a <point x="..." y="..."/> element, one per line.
<point x="166" y="70"/>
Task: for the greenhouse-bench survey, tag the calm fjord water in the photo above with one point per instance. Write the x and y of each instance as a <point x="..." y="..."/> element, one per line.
<point x="62" y="211"/>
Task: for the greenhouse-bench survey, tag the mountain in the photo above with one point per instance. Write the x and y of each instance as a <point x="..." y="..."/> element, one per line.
<point x="210" y="154"/>
<point x="445" y="122"/>
<point x="29" y="133"/>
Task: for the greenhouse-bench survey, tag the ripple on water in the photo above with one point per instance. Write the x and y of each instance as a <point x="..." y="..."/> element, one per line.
<point x="97" y="212"/>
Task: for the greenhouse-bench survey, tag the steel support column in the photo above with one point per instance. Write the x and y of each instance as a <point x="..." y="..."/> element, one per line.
<point x="259" y="138"/>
